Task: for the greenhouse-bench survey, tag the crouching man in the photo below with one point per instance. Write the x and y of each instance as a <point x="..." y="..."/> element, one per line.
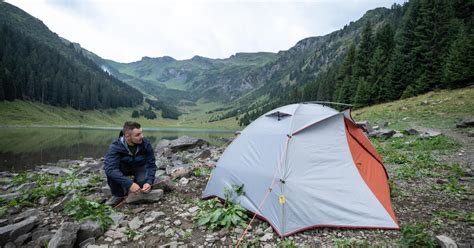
<point x="129" y="155"/>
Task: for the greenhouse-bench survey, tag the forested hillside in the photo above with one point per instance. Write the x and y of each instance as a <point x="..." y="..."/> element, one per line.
<point x="36" y="65"/>
<point x="421" y="46"/>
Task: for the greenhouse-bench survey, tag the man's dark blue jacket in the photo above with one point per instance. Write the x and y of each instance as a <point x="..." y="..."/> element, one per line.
<point x="119" y="155"/>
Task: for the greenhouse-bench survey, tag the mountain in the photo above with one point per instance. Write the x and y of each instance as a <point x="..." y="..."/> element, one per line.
<point x="36" y="64"/>
<point x="172" y="80"/>
<point x="244" y="78"/>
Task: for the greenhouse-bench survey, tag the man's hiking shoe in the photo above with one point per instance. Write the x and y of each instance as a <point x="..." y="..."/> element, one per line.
<point x="115" y="200"/>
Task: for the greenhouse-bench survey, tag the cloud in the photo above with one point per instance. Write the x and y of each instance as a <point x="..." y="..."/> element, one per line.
<point x="128" y="30"/>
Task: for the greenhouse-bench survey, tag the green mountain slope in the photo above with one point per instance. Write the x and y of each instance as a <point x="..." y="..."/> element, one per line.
<point x="36" y="64"/>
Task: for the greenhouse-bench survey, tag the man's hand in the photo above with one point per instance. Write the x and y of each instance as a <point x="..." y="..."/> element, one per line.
<point x="134" y="188"/>
<point x="146" y="187"/>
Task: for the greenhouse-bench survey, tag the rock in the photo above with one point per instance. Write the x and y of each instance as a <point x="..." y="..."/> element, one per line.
<point x="138" y="210"/>
<point x="160" y="173"/>
<point x="11" y="232"/>
<point x="204" y="154"/>
<point x="177" y="222"/>
<point x="38" y="233"/>
<point x="429" y="134"/>
<point x="164" y="143"/>
<point x="178" y="163"/>
<point x="411" y="131"/>
<point x="153" y="216"/>
<point x="185" y="142"/>
<point x="365" y="125"/>
<point x="152" y="196"/>
<point x="87" y="243"/>
<point x="117" y="217"/>
<point x="98" y="246"/>
<point x="179" y="172"/>
<point x="169" y="232"/>
<point x="54" y="170"/>
<point x="442" y="181"/>
<point x="470" y="133"/>
<point x="22" y="238"/>
<point x="135" y="223"/>
<point x="466" y="123"/>
<point x="3" y="222"/>
<point x="445" y="242"/>
<point x="10" y="245"/>
<point x="114" y="234"/>
<point x="398" y="135"/>
<point x="386" y="133"/>
<point x="164" y="183"/>
<point x="11" y="196"/>
<point x="193" y="209"/>
<point x="87" y="230"/>
<point x="62" y="203"/>
<point x="268" y="230"/>
<point x="26" y="186"/>
<point x="5" y="180"/>
<point x="26" y="214"/>
<point x="65" y="236"/>
<point x="106" y="190"/>
<point x="173" y="244"/>
<point x="183" y="181"/>
<point x="266" y="237"/>
<point x="43" y="200"/>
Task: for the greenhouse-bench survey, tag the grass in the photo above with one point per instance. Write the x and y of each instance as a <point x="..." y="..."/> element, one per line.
<point x="22" y="113"/>
<point x="437" y="109"/>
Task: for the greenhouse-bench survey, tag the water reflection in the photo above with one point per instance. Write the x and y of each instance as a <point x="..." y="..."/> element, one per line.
<point x="23" y="148"/>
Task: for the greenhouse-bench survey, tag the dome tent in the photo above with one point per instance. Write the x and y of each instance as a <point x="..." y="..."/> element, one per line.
<point x="306" y="166"/>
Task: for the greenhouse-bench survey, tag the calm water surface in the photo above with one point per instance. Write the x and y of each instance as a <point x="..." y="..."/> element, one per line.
<point x="24" y="148"/>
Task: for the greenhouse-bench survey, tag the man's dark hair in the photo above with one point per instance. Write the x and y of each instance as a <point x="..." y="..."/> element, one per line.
<point x="129" y="126"/>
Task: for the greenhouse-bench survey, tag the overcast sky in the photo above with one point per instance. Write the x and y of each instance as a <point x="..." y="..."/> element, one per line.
<point x="125" y="31"/>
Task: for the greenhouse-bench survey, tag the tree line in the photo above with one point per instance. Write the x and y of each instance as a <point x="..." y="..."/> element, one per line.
<point x="421" y="46"/>
<point x="32" y="70"/>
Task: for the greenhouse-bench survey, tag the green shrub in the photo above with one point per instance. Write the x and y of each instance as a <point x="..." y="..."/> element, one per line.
<point x="415" y="236"/>
<point x="453" y="186"/>
<point x="202" y="171"/>
<point x="214" y="214"/>
<point x="287" y="243"/>
<point x="82" y="209"/>
<point x="251" y="243"/>
<point x="349" y="243"/>
<point x="456" y="216"/>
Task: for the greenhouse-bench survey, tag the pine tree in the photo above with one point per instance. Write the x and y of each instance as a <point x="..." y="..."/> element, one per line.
<point x="379" y="65"/>
<point x="344" y="85"/>
<point x="459" y="68"/>
<point x="362" y="67"/>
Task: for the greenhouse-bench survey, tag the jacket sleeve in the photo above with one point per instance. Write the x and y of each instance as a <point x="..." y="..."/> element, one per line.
<point x="112" y="170"/>
<point x="150" y="164"/>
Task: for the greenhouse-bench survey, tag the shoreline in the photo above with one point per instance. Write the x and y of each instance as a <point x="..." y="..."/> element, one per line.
<point x="164" y="129"/>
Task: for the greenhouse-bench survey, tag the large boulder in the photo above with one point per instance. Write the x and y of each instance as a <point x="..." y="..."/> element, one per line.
<point x="365" y="125"/>
<point x="65" y="236"/>
<point x="54" y="170"/>
<point x="12" y="232"/>
<point x="88" y="229"/>
<point x="185" y="142"/>
<point x="152" y="196"/>
<point x="466" y="123"/>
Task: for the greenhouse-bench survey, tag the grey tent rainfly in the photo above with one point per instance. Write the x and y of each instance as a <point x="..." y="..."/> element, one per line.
<point x="306" y="166"/>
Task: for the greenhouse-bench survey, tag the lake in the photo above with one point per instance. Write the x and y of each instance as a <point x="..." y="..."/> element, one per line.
<point x="24" y="148"/>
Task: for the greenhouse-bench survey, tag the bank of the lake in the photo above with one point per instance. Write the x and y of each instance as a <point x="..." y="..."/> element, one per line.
<point x="24" y="113"/>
